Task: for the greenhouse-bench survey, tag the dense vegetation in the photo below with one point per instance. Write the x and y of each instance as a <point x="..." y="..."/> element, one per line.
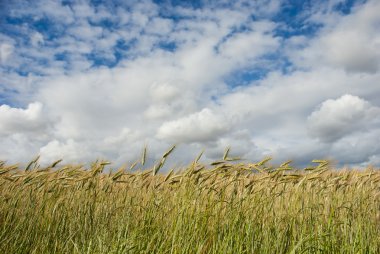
<point x="225" y="207"/>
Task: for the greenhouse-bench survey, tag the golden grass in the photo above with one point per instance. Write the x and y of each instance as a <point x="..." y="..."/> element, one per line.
<point x="225" y="207"/>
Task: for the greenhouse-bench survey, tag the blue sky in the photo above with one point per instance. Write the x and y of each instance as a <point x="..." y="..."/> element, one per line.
<point x="100" y="79"/>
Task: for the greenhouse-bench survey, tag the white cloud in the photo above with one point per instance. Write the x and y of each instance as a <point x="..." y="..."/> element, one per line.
<point x="353" y="56"/>
<point x="198" y="127"/>
<point x="349" y="42"/>
<point x="338" y="118"/>
<point x="18" y="120"/>
<point x="6" y="51"/>
<point x="37" y="39"/>
<point x="83" y="10"/>
<point x="164" y="92"/>
<point x="360" y="148"/>
<point x="248" y="45"/>
<point x="70" y="151"/>
<point x="159" y="26"/>
<point x="240" y="142"/>
<point x="126" y="135"/>
<point x="20" y="147"/>
<point x="54" y="10"/>
<point x="158" y="111"/>
<point x="84" y="31"/>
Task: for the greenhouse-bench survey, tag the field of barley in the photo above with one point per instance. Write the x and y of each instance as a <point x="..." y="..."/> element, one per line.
<point x="222" y="207"/>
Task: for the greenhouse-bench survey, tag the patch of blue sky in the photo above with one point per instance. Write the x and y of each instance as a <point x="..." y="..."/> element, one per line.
<point x="63" y="56"/>
<point x="295" y="14"/>
<point x="170" y="46"/>
<point x="22" y="70"/>
<point x="21" y="27"/>
<point x="33" y="65"/>
<point x="50" y="30"/>
<point x="118" y="56"/>
<point x="167" y="9"/>
<point x="124" y="50"/>
<point x="245" y="77"/>
<point x="98" y="59"/>
<point x="121" y="44"/>
<point x="259" y="70"/>
<point x="14" y="28"/>
<point x="305" y="29"/>
<point x="42" y="61"/>
<point x="16" y="20"/>
<point x="286" y="66"/>
<point x="195" y="4"/>
<point x="294" y="19"/>
<point x="95" y="2"/>
<point x="168" y="13"/>
<point x="105" y="23"/>
<point x="7" y="96"/>
<point x="110" y="5"/>
<point x="67" y="2"/>
<point x="345" y="7"/>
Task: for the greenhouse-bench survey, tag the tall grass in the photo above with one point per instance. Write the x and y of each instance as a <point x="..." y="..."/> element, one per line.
<point x="223" y="208"/>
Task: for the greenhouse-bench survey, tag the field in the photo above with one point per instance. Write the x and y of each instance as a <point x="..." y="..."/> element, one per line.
<point x="225" y="207"/>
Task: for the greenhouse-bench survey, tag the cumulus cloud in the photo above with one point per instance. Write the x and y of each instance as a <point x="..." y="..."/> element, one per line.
<point x="338" y="118"/>
<point x="70" y="151"/>
<point x="18" y="120"/>
<point x="113" y="78"/>
<point x="198" y="127"/>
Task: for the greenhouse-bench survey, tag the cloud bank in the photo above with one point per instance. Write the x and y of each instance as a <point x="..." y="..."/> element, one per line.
<point x="87" y="80"/>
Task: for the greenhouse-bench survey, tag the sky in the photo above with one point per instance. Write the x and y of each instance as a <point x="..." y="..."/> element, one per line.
<point x="88" y="79"/>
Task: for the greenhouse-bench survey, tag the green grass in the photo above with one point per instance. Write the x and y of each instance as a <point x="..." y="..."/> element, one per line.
<point x="225" y="208"/>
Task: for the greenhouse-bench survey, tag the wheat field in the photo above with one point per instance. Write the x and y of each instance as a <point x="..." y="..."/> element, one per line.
<point x="225" y="207"/>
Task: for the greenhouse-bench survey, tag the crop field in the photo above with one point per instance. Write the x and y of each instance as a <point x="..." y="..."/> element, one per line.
<point x="222" y="207"/>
